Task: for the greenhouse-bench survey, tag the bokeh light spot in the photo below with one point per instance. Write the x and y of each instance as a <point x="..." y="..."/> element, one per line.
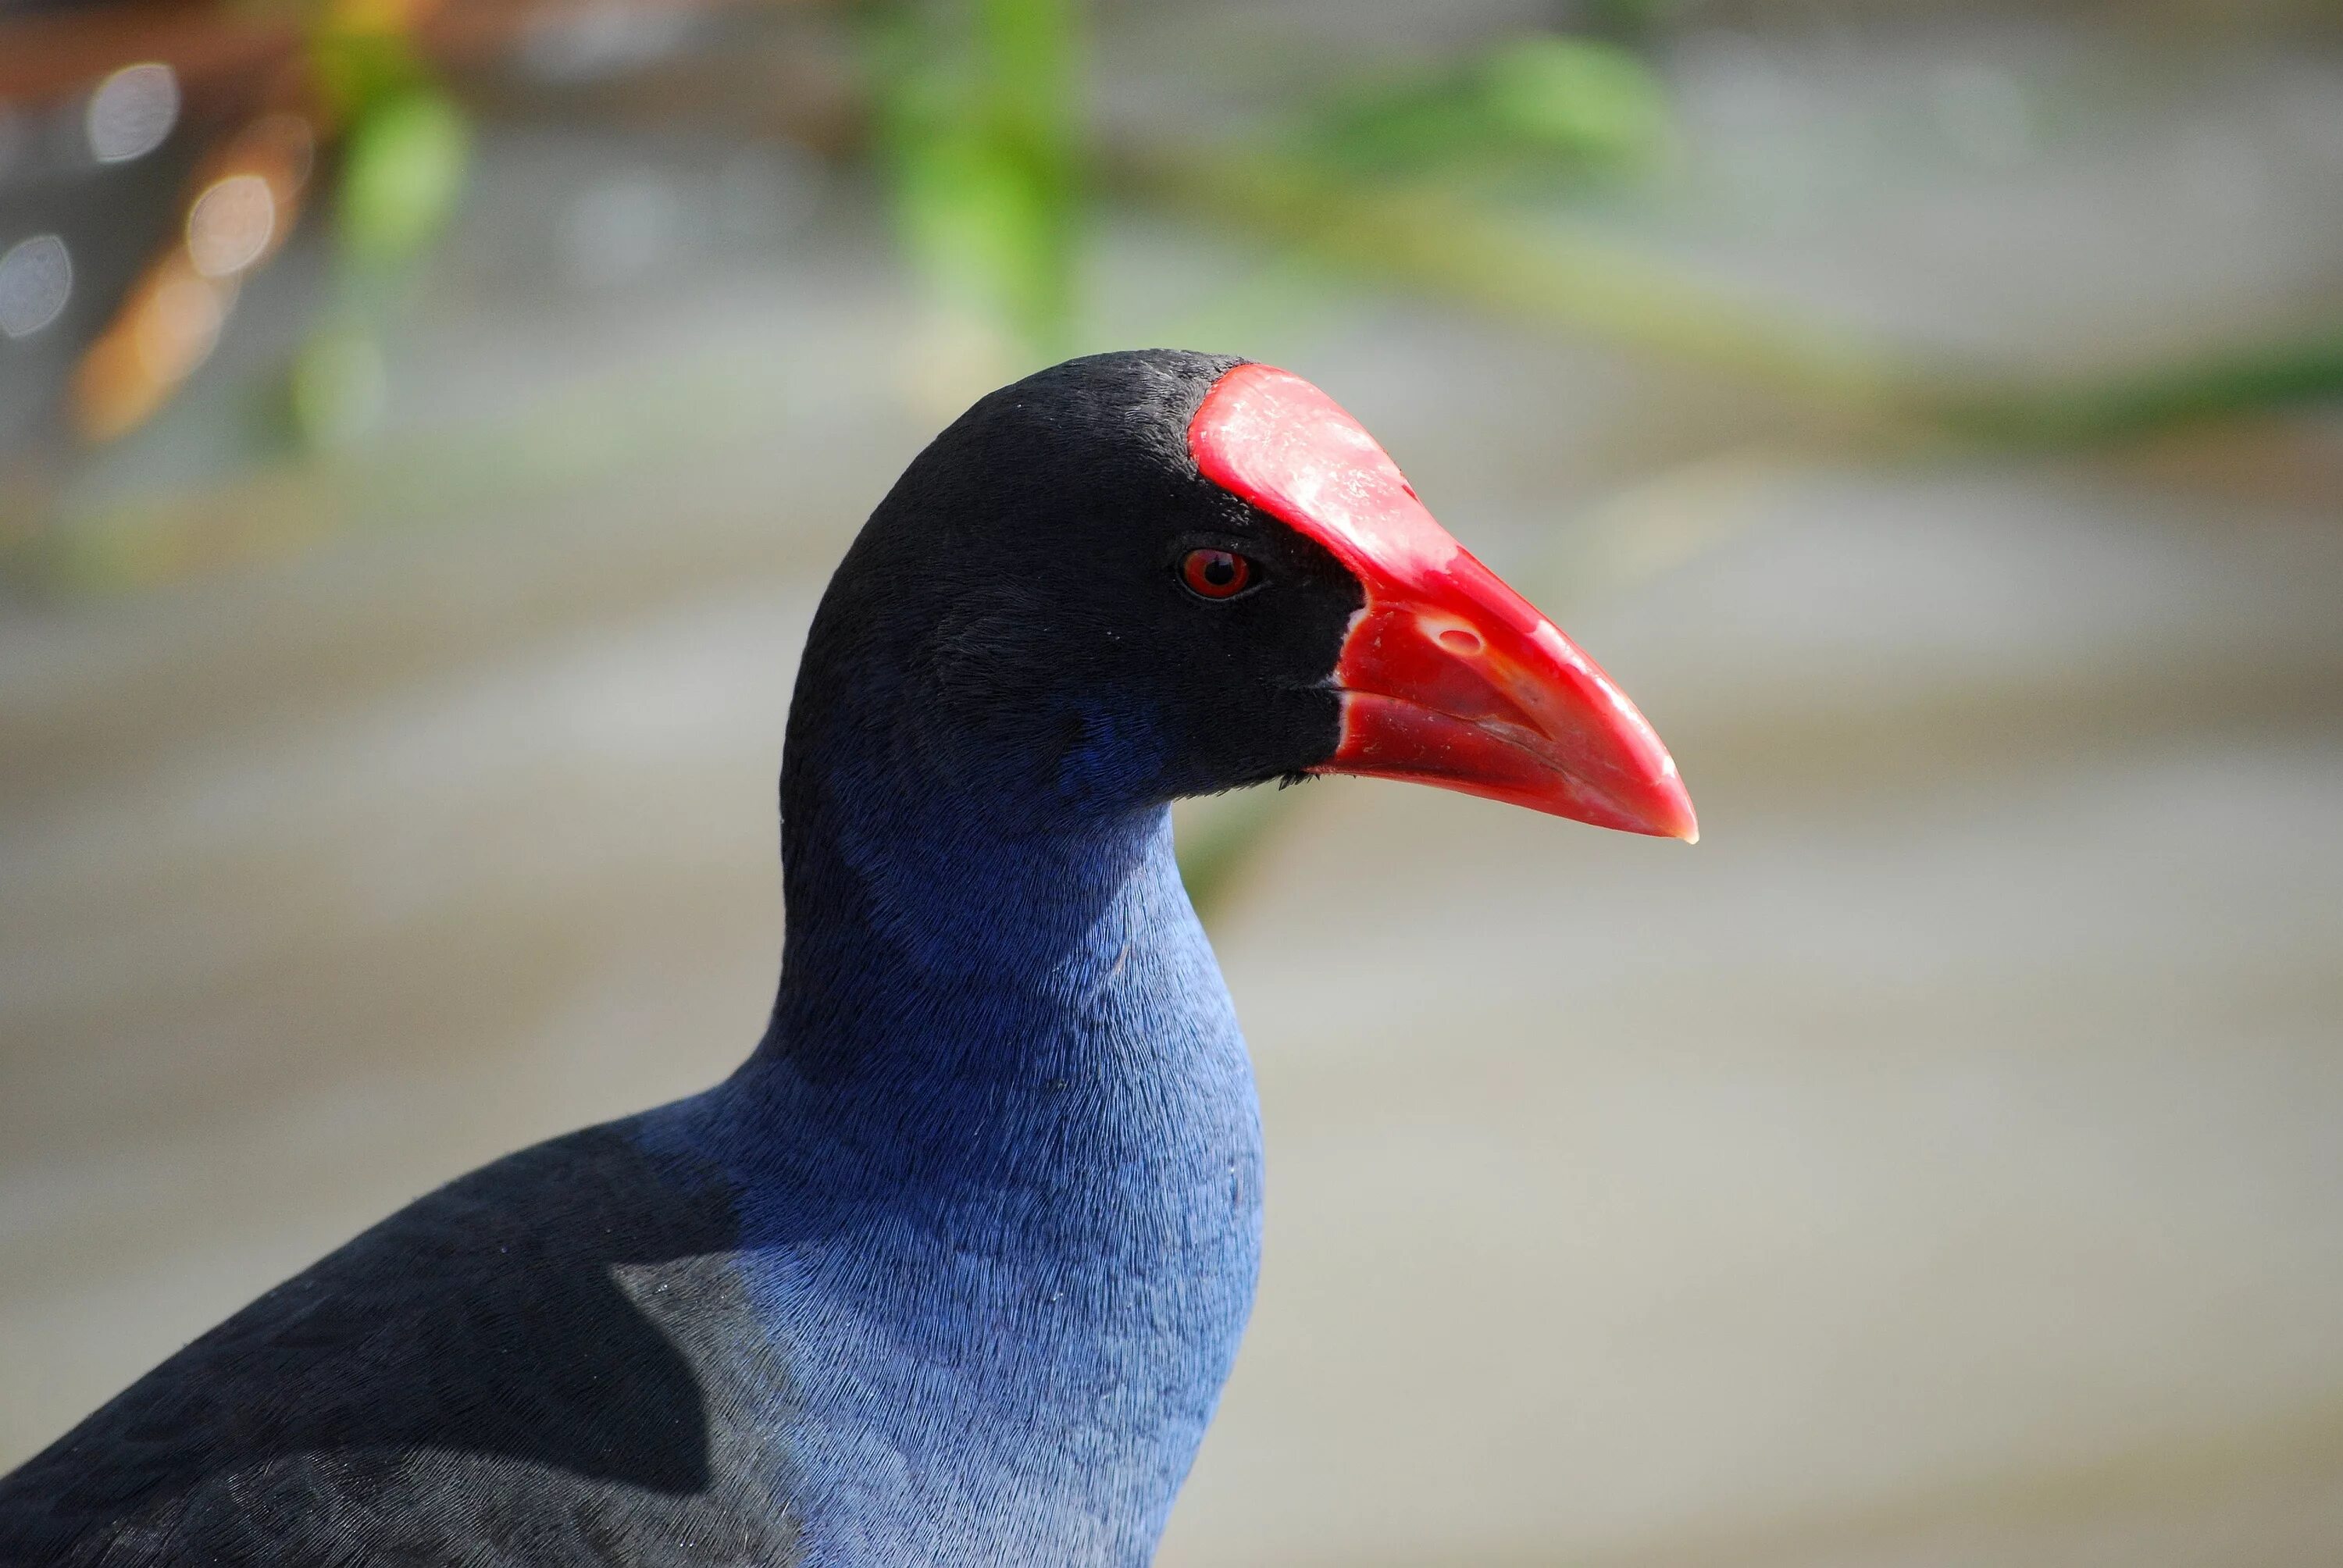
<point x="132" y="112"/>
<point x="230" y="225"/>
<point x="35" y="281"/>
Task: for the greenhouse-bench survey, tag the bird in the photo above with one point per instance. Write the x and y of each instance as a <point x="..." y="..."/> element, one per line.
<point x="952" y="1267"/>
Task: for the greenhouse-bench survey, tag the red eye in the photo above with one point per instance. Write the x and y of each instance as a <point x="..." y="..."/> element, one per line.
<point x="1215" y="574"/>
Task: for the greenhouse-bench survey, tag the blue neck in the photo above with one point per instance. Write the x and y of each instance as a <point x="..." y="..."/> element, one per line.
<point x="999" y="1160"/>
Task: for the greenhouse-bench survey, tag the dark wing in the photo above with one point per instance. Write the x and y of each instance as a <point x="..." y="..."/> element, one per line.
<point x="548" y="1360"/>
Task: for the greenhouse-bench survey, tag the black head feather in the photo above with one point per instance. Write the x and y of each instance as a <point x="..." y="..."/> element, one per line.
<point x="1011" y="623"/>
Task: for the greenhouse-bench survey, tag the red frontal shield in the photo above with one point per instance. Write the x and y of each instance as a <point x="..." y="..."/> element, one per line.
<point x="1448" y="676"/>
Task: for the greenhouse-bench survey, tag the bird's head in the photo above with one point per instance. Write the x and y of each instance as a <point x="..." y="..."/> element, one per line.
<point x="1141" y="575"/>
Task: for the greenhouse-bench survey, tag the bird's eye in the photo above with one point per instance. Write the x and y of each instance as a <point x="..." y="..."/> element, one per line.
<point x="1215" y="574"/>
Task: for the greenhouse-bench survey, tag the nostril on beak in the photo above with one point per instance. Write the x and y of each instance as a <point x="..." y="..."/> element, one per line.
<point x="1456" y="639"/>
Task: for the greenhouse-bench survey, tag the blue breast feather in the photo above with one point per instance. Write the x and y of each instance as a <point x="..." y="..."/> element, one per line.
<point x="998" y="1175"/>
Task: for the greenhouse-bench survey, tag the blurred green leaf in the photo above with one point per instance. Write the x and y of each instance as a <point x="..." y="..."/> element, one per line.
<point x="403" y="166"/>
<point x="980" y="124"/>
<point x="361" y="55"/>
<point x="1576" y="99"/>
<point x="337" y="387"/>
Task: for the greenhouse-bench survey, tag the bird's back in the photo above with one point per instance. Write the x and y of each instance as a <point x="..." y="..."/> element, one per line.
<point x="540" y="1362"/>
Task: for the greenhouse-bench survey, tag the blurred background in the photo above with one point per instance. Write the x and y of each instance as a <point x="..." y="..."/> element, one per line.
<point x="424" y="427"/>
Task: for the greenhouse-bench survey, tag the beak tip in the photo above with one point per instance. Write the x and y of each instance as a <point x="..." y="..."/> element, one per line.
<point x="1666" y="805"/>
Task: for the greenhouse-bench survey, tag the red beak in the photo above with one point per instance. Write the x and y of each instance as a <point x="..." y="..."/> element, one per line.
<point x="1448" y="676"/>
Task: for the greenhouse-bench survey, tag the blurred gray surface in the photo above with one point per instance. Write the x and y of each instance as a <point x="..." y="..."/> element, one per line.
<point x="1937" y="1165"/>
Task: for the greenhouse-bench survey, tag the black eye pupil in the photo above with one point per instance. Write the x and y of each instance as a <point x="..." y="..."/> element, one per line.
<point x="1220" y="572"/>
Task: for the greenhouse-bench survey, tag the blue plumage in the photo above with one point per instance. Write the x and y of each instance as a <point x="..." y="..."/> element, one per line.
<point x="1007" y="1277"/>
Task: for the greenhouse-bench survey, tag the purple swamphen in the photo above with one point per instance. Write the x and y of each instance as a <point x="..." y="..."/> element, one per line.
<point x="951" y="1270"/>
